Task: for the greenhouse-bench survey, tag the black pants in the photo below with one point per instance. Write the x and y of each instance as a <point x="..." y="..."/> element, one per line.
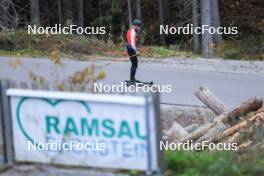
<point x="134" y="61"/>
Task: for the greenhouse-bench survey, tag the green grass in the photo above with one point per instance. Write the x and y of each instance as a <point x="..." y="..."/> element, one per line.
<point x="165" y="52"/>
<point x="211" y="163"/>
<point x="186" y="163"/>
<point x="248" y="48"/>
<point x="23" y="52"/>
<point x="18" y="42"/>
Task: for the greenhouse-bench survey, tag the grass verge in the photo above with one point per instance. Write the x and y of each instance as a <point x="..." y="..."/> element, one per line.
<point x="220" y="163"/>
<point x="13" y="43"/>
<point x="249" y="48"/>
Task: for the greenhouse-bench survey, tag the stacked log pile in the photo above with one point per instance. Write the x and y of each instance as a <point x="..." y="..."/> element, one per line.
<point x="243" y="124"/>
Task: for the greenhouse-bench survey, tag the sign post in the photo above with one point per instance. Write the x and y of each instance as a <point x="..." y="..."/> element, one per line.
<point x="6" y="125"/>
<point x="96" y="130"/>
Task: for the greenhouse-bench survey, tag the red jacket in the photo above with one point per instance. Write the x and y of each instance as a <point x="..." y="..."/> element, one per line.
<point x="131" y="38"/>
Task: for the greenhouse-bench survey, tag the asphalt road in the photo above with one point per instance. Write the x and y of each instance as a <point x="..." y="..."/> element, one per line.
<point x="232" y="89"/>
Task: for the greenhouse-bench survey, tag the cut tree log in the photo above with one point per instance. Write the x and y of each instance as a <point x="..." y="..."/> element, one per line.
<point x="259" y="146"/>
<point x="260" y="109"/>
<point x="210" y="100"/>
<point x="176" y="132"/>
<point x="244" y="145"/>
<point x="191" y="128"/>
<point x="198" y="133"/>
<point x="233" y="139"/>
<point x="252" y="104"/>
<point x="256" y="118"/>
<point x="215" y="130"/>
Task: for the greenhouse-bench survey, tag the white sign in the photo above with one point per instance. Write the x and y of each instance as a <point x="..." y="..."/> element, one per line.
<point x="94" y="130"/>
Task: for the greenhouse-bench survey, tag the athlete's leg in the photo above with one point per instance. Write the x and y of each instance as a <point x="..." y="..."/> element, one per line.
<point x="133" y="58"/>
<point x="134" y="66"/>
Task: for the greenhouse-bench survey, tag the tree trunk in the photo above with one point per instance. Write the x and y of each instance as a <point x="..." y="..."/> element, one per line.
<point x="4" y="16"/>
<point x="207" y="50"/>
<point x="161" y="21"/>
<point x="100" y="12"/>
<point x="138" y="15"/>
<point x="215" y="21"/>
<point x="34" y="12"/>
<point x="195" y="20"/>
<point x="129" y="12"/>
<point x="246" y="107"/>
<point x="138" y="9"/>
<point x="80" y="13"/>
<point x="166" y="8"/>
<point x="46" y="6"/>
<point x="210" y="100"/>
<point x="68" y="11"/>
<point x="59" y="11"/>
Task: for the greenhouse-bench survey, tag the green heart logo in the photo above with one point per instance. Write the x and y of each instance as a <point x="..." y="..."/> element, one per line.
<point x="53" y="103"/>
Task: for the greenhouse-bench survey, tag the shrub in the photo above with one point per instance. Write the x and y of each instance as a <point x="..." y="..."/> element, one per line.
<point x="249" y="48"/>
<point x="69" y="44"/>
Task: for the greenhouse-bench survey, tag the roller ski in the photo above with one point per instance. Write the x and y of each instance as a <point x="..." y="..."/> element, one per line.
<point x="137" y="83"/>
